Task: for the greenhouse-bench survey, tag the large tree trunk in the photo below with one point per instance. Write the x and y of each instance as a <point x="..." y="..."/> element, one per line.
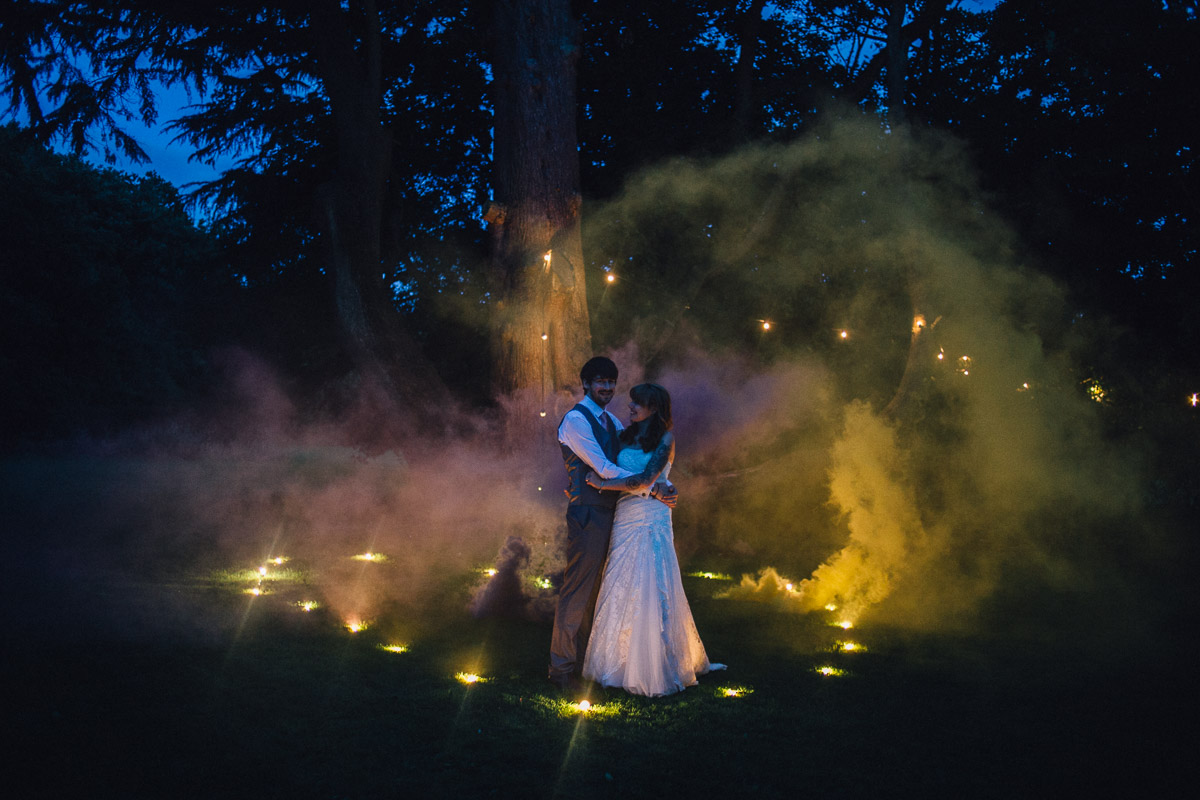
<point x="541" y="332"/>
<point x="347" y="43"/>
<point x="897" y="59"/>
<point x="743" y="103"/>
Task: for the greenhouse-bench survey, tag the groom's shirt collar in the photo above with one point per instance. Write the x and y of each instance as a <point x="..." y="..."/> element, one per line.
<point x="599" y="412"/>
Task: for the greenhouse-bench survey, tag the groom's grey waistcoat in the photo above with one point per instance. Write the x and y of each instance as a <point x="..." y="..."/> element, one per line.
<point x="578" y="492"/>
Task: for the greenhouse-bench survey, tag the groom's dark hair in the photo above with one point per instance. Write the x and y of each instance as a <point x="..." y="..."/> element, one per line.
<point x="598" y="367"/>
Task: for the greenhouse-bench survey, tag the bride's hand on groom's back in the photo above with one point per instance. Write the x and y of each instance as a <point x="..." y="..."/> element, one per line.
<point x="592" y="480"/>
<point x="666" y="494"/>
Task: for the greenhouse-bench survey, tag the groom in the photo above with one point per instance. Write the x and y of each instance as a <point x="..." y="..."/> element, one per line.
<point x="588" y="436"/>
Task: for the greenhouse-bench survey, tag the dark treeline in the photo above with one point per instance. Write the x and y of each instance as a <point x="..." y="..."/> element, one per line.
<point x="360" y="231"/>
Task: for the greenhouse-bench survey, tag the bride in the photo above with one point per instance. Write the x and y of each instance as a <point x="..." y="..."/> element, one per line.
<point x="643" y="637"/>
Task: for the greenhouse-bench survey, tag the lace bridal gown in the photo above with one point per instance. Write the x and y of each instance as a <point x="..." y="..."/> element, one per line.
<point x="643" y="638"/>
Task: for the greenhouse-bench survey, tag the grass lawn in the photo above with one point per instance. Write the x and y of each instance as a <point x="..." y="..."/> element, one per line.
<point x="153" y="682"/>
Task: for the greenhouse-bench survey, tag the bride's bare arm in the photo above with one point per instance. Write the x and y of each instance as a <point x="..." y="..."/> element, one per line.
<point x="659" y="459"/>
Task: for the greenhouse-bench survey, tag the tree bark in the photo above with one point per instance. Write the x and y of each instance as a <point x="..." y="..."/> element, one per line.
<point x="347" y="43"/>
<point x="541" y="332"/>
<point x="744" y="72"/>
<point x="897" y="60"/>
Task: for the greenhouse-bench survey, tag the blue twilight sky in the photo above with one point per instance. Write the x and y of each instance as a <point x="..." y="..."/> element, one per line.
<point x="171" y="160"/>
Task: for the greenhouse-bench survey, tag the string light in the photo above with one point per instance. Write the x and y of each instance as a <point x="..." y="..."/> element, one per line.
<point x="766" y="324"/>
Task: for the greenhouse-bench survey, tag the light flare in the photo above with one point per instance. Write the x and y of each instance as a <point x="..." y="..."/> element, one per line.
<point x="374" y="558"/>
<point x="357" y="625"/>
<point x="307" y="605"/>
<point x="394" y="648"/>
<point x="469" y="678"/>
<point x="828" y="671"/>
<point x="1194" y="400"/>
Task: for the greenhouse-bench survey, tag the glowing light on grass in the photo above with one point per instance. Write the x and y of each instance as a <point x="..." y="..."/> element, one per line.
<point x="262" y="571"/>
<point x="543" y="583"/>
<point x="831" y="607"/>
<point x="791" y="587"/>
<point x="964" y="365"/>
<point x="766" y="324"/>
<point x="307" y="605"/>
<point x="712" y="576"/>
<point x="851" y="647"/>
<point x="734" y="691"/>
<point x="256" y="591"/>
<point x="828" y="671"/>
<point x="394" y="648"/>
<point x="584" y="706"/>
<point x="469" y="678"/>
<point x="845" y="624"/>
<point x="611" y="278"/>
<point x="375" y="558"/>
<point x="357" y="625"/>
<point x="278" y="560"/>
<point x="491" y="572"/>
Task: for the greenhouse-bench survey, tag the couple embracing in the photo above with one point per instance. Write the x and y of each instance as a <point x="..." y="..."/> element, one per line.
<point x="622" y="618"/>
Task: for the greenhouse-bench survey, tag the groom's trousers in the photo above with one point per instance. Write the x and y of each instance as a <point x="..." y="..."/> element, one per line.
<point x="588" y="531"/>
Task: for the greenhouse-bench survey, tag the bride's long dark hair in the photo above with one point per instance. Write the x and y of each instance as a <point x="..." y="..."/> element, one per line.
<point x="658" y="400"/>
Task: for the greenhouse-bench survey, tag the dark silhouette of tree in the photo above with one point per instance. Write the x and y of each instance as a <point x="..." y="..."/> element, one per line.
<point x="109" y="300"/>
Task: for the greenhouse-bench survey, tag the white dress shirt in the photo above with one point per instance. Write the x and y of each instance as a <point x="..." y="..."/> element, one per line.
<point x="576" y="433"/>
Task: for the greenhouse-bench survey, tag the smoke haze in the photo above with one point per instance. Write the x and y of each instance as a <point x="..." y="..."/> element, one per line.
<point x="991" y="478"/>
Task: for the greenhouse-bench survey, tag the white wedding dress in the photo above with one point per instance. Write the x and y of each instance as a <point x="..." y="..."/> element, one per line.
<point x="643" y="637"/>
